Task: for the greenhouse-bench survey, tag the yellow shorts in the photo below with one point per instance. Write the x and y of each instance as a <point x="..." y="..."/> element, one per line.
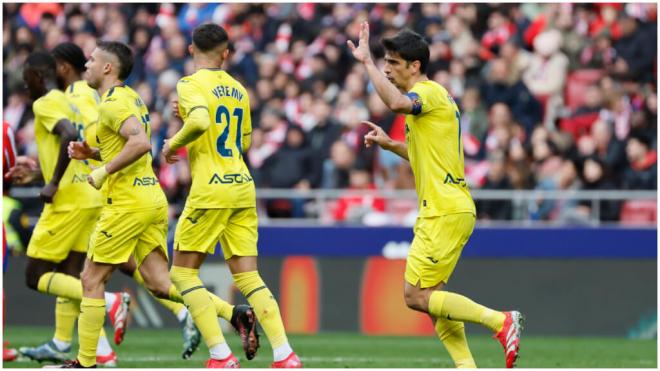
<point x="59" y="232"/>
<point x="120" y="233"/>
<point x="201" y="229"/>
<point x="437" y="245"/>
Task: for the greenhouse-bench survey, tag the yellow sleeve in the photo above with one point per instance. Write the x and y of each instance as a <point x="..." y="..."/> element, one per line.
<point x="117" y="110"/>
<point x="191" y="97"/>
<point x="49" y="112"/>
<point x="246" y="139"/>
<point x="193" y="126"/>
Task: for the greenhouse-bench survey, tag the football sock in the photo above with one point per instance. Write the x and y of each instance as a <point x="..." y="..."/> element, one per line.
<point x="261" y="299"/>
<point x="199" y="304"/>
<point x="222" y="308"/>
<point x="172" y="306"/>
<point x="220" y="351"/>
<point x="90" y="322"/>
<point x="66" y="314"/>
<point x="452" y="335"/>
<point x="443" y="304"/>
<point x="103" y="347"/>
<point x="60" y="284"/>
<point x="280" y="353"/>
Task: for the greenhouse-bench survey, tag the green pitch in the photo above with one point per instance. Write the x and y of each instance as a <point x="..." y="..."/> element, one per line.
<point x="161" y="349"/>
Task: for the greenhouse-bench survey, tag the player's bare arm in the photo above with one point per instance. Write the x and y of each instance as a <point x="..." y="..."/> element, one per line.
<point x="83" y="151"/>
<point x="390" y="94"/>
<point x="378" y="136"/>
<point x="137" y="144"/>
<point x="66" y="132"/>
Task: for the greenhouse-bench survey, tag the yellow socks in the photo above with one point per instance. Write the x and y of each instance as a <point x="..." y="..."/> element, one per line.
<point x="66" y="313"/>
<point x="199" y="304"/>
<point x="443" y="304"/>
<point x="90" y="323"/>
<point x="452" y="335"/>
<point x="265" y="306"/>
<point x="172" y="306"/>
<point x="60" y="284"/>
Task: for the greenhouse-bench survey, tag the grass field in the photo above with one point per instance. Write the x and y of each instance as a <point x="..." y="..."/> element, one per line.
<point x="161" y="348"/>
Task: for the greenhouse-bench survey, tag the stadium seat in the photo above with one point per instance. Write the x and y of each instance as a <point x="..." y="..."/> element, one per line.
<point x="639" y="212"/>
<point x="577" y="84"/>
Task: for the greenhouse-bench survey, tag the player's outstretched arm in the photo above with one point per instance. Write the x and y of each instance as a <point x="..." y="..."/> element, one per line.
<point x="390" y="95"/>
<point x="137" y="144"/>
<point x="194" y="126"/>
<point x="378" y="136"/>
<point x="66" y="132"/>
<point x="82" y="151"/>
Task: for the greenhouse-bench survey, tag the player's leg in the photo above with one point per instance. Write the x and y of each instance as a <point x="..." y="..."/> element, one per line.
<point x="185" y="276"/>
<point x="92" y="310"/>
<point x="239" y="245"/>
<point x="433" y="256"/>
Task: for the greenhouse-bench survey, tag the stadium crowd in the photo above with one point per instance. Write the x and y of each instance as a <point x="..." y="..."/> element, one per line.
<point x="552" y="96"/>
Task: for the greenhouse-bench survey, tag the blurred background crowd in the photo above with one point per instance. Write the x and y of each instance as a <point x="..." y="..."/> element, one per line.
<point x="552" y="96"/>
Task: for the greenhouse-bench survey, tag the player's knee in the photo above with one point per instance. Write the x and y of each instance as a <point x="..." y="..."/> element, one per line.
<point x="415" y="301"/>
<point x="90" y="281"/>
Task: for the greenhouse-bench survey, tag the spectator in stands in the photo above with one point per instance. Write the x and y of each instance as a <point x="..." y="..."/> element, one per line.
<point x="525" y="108"/>
<point x="593" y="178"/>
<point x="336" y="168"/>
<point x="637" y="48"/>
<point x="643" y="170"/>
<point x="497" y="179"/>
<point x="474" y="122"/>
<point x="353" y="207"/>
<point x="546" y="75"/>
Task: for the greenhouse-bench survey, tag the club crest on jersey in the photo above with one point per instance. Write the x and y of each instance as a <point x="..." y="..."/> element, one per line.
<point x="230" y="179"/>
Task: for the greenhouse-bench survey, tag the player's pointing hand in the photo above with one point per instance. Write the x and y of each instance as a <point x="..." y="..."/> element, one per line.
<point x="376" y="136"/>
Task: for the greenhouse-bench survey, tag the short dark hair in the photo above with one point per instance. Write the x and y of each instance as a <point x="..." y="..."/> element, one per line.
<point x="209" y="36"/>
<point x="42" y="62"/>
<point x="123" y="53"/>
<point x="411" y="46"/>
<point x="72" y="54"/>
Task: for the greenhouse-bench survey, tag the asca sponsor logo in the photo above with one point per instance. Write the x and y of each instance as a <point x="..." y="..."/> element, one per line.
<point x="230" y="179"/>
<point x="458" y="181"/>
<point x="79" y="178"/>
<point x="146" y="181"/>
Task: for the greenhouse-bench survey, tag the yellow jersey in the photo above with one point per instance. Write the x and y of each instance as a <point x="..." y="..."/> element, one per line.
<point x="87" y="100"/>
<point x="73" y="191"/>
<point x="134" y="187"/>
<point x="435" y="151"/>
<point x="220" y="177"/>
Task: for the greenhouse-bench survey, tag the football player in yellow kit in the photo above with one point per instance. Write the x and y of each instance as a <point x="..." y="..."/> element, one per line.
<point x="446" y="210"/>
<point x="221" y="206"/>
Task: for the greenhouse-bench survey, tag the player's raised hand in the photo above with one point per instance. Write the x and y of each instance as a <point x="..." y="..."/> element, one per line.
<point x="24" y="171"/>
<point x="376" y="136"/>
<point x="79" y="150"/>
<point x="361" y="52"/>
<point x="170" y="156"/>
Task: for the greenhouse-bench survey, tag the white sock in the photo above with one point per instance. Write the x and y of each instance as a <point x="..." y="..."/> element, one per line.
<point x="220" y="351"/>
<point x="280" y="353"/>
<point x="103" y="348"/>
<point x="182" y="314"/>
<point x="62" y="345"/>
<point x="110" y="299"/>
